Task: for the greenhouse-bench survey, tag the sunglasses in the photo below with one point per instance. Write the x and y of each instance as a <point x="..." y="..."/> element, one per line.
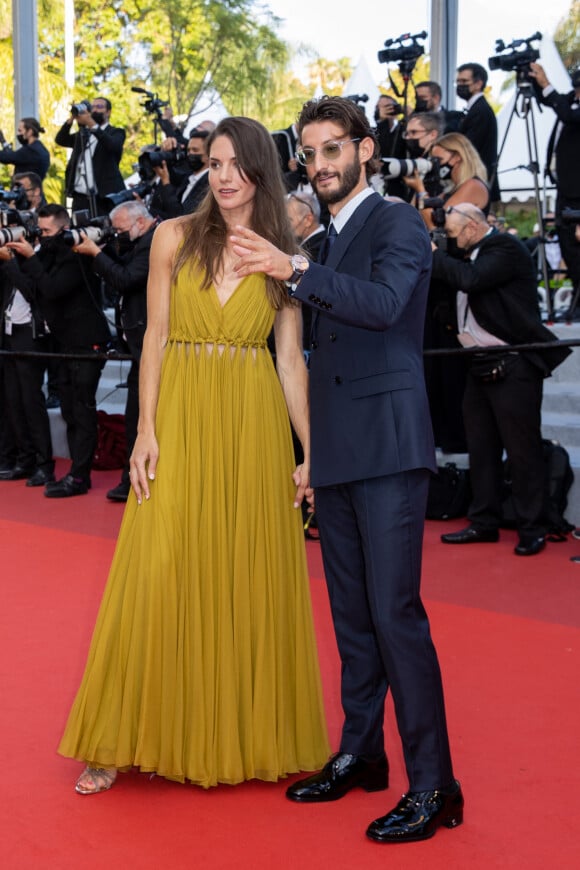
<point x="464" y="214"/>
<point x="330" y="151"/>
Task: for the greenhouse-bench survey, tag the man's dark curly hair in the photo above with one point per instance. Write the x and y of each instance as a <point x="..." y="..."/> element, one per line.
<point x="347" y="115"/>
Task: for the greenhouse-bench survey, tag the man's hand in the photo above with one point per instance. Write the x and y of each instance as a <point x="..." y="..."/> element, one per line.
<point x="169" y="144"/>
<point x="259" y="255"/>
<point x="162" y="172"/>
<point x="537" y="73"/>
<point x="21" y="247"/>
<point x="87" y="246"/>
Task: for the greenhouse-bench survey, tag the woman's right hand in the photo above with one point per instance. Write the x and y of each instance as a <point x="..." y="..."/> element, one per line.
<point x="143" y="465"/>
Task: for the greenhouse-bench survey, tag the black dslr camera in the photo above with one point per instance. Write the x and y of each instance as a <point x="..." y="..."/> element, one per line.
<point x="79" y="108"/>
<point x="516" y="57"/>
<point x="150" y="160"/>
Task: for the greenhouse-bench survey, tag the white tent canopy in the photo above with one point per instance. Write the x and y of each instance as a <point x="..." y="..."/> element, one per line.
<point x="361" y="82"/>
<point x="516" y="182"/>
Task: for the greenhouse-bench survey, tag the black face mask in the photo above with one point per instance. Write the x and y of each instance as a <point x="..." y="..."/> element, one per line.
<point x="445" y="171"/>
<point x="463" y="92"/>
<point x="22" y="139"/>
<point x="414" y="149"/>
<point x="52" y="243"/>
<point x="195" y="162"/>
<point x="123" y="242"/>
<point x="98" y="118"/>
<point x="421" y="105"/>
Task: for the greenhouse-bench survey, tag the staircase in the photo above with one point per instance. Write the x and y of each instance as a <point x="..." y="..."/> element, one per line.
<point x="561" y="412"/>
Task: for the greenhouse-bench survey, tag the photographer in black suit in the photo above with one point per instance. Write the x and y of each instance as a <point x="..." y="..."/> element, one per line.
<point x="479" y="123"/>
<point x="69" y="298"/>
<point x="93" y="168"/>
<point x="126" y="271"/>
<point x="31" y="156"/>
<point x="175" y="197"/>
<point x="497" y="305"/>
<point x="563" y="163"/>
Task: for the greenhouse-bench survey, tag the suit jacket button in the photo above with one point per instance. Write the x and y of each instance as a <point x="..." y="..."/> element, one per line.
<point x="314" y="345"/>
<point x="338" y="379"/>
<point x="332" y="336"/>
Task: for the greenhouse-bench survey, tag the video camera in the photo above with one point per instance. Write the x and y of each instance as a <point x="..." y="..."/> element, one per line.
<point x="518" y="57"/>
<point x="358" y="98"/>
<point x="17" y="225"/>
<point x="78" y="108"/>
<point x="152" y="104"/>
<point x="151" y="160"/>
<point x="97" y="229"/>
<point x="143" y="189"/>
<point x="404" y="54"/>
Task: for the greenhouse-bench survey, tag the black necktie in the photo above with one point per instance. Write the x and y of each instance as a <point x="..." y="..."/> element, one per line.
<point x="329" y="241"/>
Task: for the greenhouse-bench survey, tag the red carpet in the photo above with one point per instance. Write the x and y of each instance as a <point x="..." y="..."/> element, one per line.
<point x="508" y="634"/>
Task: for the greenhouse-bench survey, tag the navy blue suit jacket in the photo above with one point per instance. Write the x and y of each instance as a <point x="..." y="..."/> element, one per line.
<point x="368" y="406"/>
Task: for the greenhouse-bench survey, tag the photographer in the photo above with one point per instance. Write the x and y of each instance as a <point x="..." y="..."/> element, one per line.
<point x="479" y="123"/>
<point x="563" y="162"/>
<point x="93" y="168"/>
<point x="390" y="132"/>
<point x="68" y="295"/>
<point x="462" y="173"/>
<point x="423" y="130"/>
<point x="428" y="99"/>
<point x="30" y="184"/>
<point x="497" y="305"/>
<point x="126" y="273"/>
<point x="27" y="446"/>
<point x="32" y="156"/>
<point x="172" y="200"/>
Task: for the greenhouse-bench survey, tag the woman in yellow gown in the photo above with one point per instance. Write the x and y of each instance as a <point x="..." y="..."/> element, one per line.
<point x="203" y="663"/>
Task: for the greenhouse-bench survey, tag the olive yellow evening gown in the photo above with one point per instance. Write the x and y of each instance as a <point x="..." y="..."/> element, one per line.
<point x="203" y="664"/>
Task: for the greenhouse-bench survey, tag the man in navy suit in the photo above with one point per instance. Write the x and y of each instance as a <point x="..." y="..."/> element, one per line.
<point x="372" y="449"/>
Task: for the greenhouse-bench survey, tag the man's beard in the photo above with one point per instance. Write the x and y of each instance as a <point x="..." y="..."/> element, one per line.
<point x="349" y="179"/>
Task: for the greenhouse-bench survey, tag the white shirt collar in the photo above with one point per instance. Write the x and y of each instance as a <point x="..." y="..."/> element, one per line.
<point x="349" y="209"/>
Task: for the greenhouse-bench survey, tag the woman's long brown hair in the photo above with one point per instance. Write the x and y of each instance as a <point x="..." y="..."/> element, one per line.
<point x="205" y="232"/>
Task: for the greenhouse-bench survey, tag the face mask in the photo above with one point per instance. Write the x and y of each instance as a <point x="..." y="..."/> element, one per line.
<point x="421" y="106"/>
<point x="98" y="117"/>
<point x="195" y="162"/>
<point x="463" y="92"/>
<point x="444" y="171"/>
<point x="21" y="139"/>
<point x="414" y="149"/>
<point x="124" y="242"/>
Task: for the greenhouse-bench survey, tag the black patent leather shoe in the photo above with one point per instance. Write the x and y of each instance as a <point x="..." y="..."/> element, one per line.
<point x="40" y="478"/>
<point x="66" y="487"/>
<point x="18" y="472"/>
<point x="418" y="815"/>
<point x="338" y="776"/>
<point x="472" y="535"/>
<point x="530" y="546"/>
<point x="120" y="492"/>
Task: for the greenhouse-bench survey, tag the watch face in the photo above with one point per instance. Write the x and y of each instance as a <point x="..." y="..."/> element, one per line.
<point x="299" y="263"/>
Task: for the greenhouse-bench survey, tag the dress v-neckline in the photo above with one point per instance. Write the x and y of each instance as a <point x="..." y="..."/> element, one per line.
<point x="232" y="294"/>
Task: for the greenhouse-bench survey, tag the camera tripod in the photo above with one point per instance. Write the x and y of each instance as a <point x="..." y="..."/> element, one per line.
<point x="524" y="110"/>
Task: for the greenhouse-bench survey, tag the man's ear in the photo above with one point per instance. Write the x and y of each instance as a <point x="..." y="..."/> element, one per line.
<point x="366" y="149"/>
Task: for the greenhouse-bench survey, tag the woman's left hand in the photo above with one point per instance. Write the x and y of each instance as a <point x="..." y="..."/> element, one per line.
<point x="259" y="255"/>
<point x="301" y="478"/>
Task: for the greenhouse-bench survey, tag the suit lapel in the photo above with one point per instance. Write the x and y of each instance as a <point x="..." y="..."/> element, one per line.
<point x="352" y="228"/>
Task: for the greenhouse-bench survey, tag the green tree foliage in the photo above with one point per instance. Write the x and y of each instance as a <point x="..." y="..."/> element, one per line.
<point x="567" y="37"/>
<point x="178" y="49"/>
